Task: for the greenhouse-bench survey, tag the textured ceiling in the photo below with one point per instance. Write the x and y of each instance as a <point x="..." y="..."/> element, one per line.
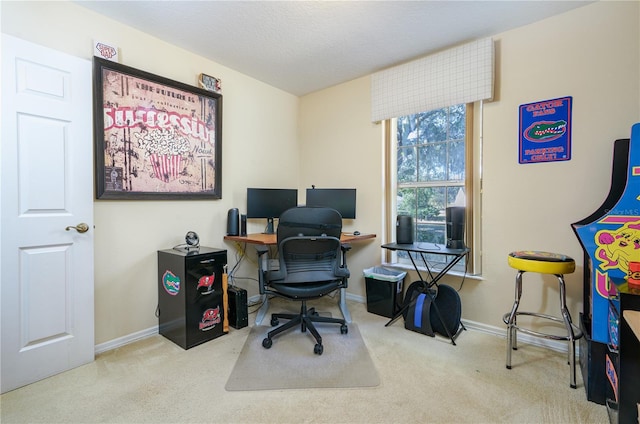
<point x="304" y="46"/>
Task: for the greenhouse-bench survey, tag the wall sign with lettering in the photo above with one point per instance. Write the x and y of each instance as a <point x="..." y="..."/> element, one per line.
<point x="155" y="138"/>
<point x="545" y="131"/>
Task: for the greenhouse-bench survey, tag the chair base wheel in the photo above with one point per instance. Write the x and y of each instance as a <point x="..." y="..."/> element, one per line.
<point x="318" y="349"/>
<point x="344" y="329"/>
<point x="267" y="343"/>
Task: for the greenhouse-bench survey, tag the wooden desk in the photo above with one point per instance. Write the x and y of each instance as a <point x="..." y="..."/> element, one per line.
<point x="272" y="240"/>
<point x="633" y="319"/>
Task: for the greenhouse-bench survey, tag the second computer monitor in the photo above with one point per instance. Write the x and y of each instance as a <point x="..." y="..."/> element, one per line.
<point x="341" y="199"/>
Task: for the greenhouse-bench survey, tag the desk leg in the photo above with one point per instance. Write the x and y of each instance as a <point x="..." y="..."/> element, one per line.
<point x="262" y="312"/>
<point x="343" y="305"/>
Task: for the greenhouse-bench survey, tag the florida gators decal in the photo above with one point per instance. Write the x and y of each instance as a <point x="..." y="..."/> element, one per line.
<point x="542" y="131"/>
<point x="210" y="318"/>
<point x="171" y="283"/>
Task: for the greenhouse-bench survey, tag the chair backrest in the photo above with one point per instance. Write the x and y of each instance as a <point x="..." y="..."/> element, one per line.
<point x="309" y="221"/>
<point x="309" y="245"/>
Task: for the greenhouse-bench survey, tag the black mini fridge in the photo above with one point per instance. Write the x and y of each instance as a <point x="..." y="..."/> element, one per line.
<point x="190" y="297"/>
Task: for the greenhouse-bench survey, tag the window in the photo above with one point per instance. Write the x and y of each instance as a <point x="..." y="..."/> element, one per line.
<point x="432" y="170"/>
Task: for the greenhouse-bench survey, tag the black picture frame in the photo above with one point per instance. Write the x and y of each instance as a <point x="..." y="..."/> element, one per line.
<point x="155" y="138"/>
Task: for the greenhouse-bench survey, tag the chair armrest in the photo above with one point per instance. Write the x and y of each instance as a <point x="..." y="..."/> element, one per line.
<point x="345" y="247"/>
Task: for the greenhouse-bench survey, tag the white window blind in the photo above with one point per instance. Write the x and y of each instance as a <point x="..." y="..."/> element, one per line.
<point x="462" y="74"/>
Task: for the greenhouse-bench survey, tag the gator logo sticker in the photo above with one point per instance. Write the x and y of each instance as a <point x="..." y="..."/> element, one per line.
<point x="171" y="283"/>
<point x="210" y="318"/>
<point x="545" y="131"/>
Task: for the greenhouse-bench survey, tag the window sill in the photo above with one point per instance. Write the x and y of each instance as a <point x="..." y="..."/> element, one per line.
<point x="406" y="267"/>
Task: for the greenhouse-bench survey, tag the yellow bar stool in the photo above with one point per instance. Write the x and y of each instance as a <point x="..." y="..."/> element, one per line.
<point x="542" y="263"/>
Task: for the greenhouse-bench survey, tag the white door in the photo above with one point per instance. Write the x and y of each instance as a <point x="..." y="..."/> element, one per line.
<point x="46" y="179"/>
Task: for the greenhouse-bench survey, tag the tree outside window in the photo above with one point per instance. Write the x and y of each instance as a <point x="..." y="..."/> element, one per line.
<point x="431" y="167"/>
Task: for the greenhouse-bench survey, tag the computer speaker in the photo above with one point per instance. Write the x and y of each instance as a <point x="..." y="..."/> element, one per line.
<point x="455" y="227"/>
<point x="404" y="229"/>
<point x="243" y="225"/>
<point x="233" y="218"/>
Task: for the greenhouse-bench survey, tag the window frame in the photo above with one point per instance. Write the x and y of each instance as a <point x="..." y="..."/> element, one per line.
<point x="472" y="183"/>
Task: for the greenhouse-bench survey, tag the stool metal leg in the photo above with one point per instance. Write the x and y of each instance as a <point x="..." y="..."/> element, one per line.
<point x="510" y="319"/>
<point x="571" y="337"/>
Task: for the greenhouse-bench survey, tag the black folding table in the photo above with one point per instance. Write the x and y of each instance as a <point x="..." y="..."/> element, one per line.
<point x="422" y="249"/>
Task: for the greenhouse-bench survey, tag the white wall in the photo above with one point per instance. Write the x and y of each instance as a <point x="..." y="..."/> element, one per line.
<point x="592" y="54"/>
<point x="259" y="122"/>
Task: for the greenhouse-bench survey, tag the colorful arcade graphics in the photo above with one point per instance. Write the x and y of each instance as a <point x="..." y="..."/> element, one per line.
<point x="609" y="245"/>
<point x="611" y="241"/>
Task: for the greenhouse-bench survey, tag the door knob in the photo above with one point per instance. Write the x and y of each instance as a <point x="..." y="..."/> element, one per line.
<point x="81" y="227"/>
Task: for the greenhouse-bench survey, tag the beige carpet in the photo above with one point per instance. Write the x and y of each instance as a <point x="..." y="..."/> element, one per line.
<point x="422" y="380"/>
<point x="291" y="363"/>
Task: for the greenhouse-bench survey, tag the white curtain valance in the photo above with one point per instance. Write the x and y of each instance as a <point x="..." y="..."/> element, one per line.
<point x="459" y="75"/>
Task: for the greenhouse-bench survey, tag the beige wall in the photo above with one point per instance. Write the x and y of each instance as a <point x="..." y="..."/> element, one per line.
<point x="259" y="122"/>
<point x="594" y="58"/>
<point x="592" y="54"/>
<point x="327" y="139"/>
<point x="340" y="147"/>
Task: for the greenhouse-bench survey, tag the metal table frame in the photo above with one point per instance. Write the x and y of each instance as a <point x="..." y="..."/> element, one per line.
<point x="425" y="249"/>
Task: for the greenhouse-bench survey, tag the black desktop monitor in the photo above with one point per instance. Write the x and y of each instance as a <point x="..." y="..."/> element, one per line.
<point x="341" y="199"/>
<point x="269" y="203"/>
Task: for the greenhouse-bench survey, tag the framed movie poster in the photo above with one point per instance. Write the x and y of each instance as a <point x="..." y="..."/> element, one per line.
<point x="155" y="139"/>
<point x="545" y="131"/>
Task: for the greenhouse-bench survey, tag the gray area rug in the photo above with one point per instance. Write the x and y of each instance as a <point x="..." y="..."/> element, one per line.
<point x="291" y="363"/>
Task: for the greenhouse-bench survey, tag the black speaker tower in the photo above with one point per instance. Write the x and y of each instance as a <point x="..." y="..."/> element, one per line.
<point x="404" y="229"/>
<point x="243" y="225"/>
<point x="233" y="222"/>
<point x="455" y="227"/>
<point x="238" y="311"/>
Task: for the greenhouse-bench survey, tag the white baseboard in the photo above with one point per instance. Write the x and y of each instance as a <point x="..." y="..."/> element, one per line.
<point x="129" y="338"/>
<point x="555" y="345"/>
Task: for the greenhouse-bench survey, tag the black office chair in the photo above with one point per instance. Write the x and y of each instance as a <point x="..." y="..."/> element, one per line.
<point x="312" y="263"/>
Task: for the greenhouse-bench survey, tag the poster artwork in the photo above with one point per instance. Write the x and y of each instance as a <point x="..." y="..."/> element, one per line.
<point x="545" y="131"/>
<point x="157" y="138"/>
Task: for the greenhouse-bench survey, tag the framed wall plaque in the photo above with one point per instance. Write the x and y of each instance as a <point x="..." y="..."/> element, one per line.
<point x="155" y="138"/>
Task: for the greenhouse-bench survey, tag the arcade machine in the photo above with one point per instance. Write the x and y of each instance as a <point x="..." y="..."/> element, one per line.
<point x="610" y="238"/>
